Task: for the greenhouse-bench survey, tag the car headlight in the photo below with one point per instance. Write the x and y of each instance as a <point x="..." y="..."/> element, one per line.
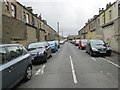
<point x="108" y="48"/>
<point x="94" y="49"/>
<point x="41" y="53"/>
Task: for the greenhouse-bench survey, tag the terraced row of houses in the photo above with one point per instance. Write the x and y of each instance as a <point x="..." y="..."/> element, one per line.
<point x="20" y="25"/>
<point x="105" y="26"/>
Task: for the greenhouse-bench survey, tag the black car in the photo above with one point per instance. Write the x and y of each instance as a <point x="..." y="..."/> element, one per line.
<point x="40" y="51"/>
<point x="98" y="47"/>
<point x="15" y="65"/>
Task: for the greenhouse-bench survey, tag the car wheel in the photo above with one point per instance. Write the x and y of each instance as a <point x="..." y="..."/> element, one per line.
<point x="28" y="73"/>
<point x="79" y="47"/>
<point x="45" y="60"/>
<point x="91" y="53"/>
<point x="109" y="54"/>
<point x="51" y="55"/>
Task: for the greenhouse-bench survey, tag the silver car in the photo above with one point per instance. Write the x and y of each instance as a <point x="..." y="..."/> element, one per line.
<point x="15" y="64"/>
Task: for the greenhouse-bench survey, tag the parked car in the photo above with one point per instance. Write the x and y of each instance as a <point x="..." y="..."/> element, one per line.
<point x="54" y="46"/>
<point x="58" y="44"/>
<point x="15" y="64"/>
<point x="62" y="42"/>
<point x="73" y="41"/>
<point x="76" y="43"/>
<point x="98" y="47"/>
<point x="40" y="51"/>
<point x="82" y="44"/>
<point x="70" y="41"/>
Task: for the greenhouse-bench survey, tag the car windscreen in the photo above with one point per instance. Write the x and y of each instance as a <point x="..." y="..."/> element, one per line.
<point x="36" y="45"/>
<point x="97" y="42"/>
<point x="77" y="40"/>
<point x="51" y="43"/>
<point x="84" y="41"/>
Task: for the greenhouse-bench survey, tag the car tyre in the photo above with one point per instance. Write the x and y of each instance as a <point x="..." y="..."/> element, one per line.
<point x="28" y="73"/>
<point x="91" y="53"/>
<point x="45" y="60"/>
<point x="109" y="54"/>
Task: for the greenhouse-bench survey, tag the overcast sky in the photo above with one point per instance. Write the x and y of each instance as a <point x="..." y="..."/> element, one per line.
<point x="71" y="14"/>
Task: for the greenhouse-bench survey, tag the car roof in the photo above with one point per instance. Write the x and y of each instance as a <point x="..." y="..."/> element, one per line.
<point x="95" y="39"/>
<point x="1" y="45"/>
<point x="38" y="42"/>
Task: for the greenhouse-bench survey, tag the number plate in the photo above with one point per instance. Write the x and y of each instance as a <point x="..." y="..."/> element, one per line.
<point x="103" y="52"/>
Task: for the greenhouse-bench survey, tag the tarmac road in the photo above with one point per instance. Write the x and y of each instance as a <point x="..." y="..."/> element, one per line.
<point x="73" y="68"/>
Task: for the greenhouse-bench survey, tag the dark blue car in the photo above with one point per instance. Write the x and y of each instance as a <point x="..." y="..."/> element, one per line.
<point x="54" y="46"/>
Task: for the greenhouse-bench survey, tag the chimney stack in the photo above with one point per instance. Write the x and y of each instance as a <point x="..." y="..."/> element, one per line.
<point x="29" y="9"/>
<point x="101" y="10"/>
<point x="36" y="15"/>
<point x="40" y="17"/>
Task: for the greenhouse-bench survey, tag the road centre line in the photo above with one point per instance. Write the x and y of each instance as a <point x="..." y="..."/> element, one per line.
<point x="110" y="62"/>
<point x="73" y="71"/>
<point x="94" y="59"/>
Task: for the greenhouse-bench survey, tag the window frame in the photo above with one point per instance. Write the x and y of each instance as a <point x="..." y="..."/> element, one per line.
<point x="27" y="18"/>
<point x="6" y="4"/>
<point x="13" y="10"/>
<point x="110" y="15"/>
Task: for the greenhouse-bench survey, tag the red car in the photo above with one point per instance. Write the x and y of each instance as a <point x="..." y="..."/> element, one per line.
<point x="77" y="42"/>
<point x="82" y="44"/>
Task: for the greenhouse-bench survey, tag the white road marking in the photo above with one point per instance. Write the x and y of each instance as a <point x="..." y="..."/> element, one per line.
<point x="73" y="71"/>
<point x="94" y="59"/>
<point x="110" y="62"/>
<point x="43" y="68"/>
<point x="40" y="71"/>
<point x="101" y="71"/>
<point x="108" y="73"/>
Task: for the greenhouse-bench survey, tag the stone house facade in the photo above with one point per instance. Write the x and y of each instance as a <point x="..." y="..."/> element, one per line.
<point x="21" y="25"/>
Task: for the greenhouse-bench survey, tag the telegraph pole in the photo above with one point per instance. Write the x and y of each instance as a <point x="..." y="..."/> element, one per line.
<point x="58" y="30"/>
<point x="62" y="34"/>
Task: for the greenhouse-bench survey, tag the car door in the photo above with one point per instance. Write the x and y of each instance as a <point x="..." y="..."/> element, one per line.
<point x="16" y="66"/>
<point x="48" y="49"/>
<point x="5" y="69"/>
<point x="87" y="47"/>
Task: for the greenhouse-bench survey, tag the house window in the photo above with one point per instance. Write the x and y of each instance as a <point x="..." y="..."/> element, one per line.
<point x="37" y="23"/>
<point x="33" y="21"/>
<point x="13" y="9"/>
<point x="89" y="27"/>
<point x="103" y="19"/>
<point x="27" y="18"/>
<point x="24" y="16"/>
<point x="110" y="14"/>
<point x="6" y="4"/>
<point x="119" y="10"/>
<point x="98" y="21"/>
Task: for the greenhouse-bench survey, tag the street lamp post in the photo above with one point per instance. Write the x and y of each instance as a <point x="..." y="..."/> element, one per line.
<point x="58" y="31"/>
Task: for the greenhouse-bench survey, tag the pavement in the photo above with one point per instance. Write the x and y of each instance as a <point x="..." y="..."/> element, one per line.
<point x="114" y="57"/>
<point x="71" y="67"/>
